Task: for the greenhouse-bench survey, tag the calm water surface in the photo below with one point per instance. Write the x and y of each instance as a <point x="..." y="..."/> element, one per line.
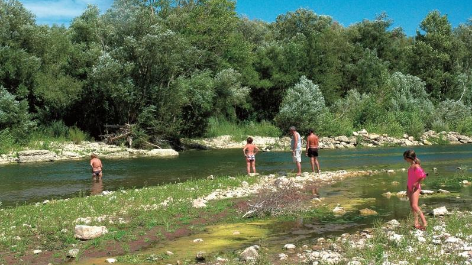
<point x="27" y="183"/>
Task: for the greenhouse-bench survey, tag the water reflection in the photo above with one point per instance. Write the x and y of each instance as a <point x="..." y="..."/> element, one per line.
<point x="97" y="186"/>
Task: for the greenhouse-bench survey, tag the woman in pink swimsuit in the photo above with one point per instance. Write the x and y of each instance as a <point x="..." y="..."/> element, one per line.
<point x="415" y="176"/>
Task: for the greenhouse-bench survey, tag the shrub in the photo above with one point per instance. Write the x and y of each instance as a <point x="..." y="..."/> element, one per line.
<point x="334" y="126"/>
<point x="302" y="106"/>
<point x="14" y="116"/>
<point x="453" y="113"/>
<point x="59" y="129"/>
<point x="7" y="141"/>
<point x="76" y="135"/>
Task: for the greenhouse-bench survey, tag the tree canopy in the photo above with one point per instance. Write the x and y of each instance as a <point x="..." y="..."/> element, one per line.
<point x="170" y="66"/>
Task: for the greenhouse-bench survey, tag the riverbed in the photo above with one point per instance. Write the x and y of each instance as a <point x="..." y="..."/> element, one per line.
<point x="30" y="183"/>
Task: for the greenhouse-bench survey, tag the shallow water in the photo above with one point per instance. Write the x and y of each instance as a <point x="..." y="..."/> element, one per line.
<point x="27" y="183"/>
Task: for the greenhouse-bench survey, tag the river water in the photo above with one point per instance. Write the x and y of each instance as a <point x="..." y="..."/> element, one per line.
<point x="28" y="183"/>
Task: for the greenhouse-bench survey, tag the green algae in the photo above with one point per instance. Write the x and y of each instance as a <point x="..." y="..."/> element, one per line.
<point x="215" y="239"/>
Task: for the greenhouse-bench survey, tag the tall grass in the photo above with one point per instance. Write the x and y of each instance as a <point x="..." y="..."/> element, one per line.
<point x="240" y="131"/>
<point x="42" y="137"/>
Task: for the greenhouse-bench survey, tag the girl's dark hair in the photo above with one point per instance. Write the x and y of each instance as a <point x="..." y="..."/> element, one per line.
<point x="411" y="155"/>
<point x="249" y="140"/>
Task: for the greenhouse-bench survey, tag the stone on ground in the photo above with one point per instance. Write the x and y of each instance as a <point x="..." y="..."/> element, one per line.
<point x="86" y="232"/>
<point x="250" y="254"/>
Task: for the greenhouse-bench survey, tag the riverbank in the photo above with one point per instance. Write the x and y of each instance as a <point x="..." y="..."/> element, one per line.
<point x="55" y="151"/>
<point x="357" y="139"/>
<point x="232" y="210"/>
<point x="136" y="219"/>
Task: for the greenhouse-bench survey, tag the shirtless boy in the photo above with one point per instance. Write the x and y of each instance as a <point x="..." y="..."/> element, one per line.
<point x="312" y="150"/>
<point x="250" y="151"/>
<point x="96" y="165"/>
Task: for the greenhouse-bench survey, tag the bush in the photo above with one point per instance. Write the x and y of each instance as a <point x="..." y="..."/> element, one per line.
<point x="453" y="113"/>
<point x="14" y="116"/>
<point x="241" y="131"/>
<point x="465" y="126"/>
<point x="334" y="126"/>
<point x="59" y="129"/>
<point x="76" y="135"/>
<point x="302" y="106"/>
<point x="7" y="141"/>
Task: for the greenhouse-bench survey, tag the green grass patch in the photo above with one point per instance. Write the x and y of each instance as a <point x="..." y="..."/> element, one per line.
<point x="126" y="214"/>
<point x="454" y="181"/>
<point x="240" y="131"/>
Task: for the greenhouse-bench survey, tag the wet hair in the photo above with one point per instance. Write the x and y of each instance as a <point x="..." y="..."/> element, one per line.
<point x="311" y="131"/>
<point x="93" y="156"/>
<point x="292" y="128"/>
<point x="249" y="140"/>
<point x="411" y="155"/>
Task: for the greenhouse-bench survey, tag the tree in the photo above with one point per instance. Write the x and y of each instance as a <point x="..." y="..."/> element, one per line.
<point x="302" y="106"/>
<point x="14" y="116"/>
<point x="434" y="54"/>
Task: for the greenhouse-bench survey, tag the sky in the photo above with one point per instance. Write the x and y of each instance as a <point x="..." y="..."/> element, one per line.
<point x="406" y="14"/>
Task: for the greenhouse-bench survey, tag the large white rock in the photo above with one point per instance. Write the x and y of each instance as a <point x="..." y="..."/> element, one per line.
<point x="199" y="203"/>
<point x="86" y="232"/>
<point x="440" y="211"/>
<point x="250" y="254"/>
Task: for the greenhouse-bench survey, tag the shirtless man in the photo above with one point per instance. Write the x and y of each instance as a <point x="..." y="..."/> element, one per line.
<point x="312" y="150"/>
<point x="250" y="151"/>
<point x="296" y="145"/>
<point x="96" y="165"/>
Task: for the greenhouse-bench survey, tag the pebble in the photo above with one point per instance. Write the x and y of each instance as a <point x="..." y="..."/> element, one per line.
<point x="198" y="240"/>
<point x="283" y="256"/>
<point x="110" y="260"/>
<point x="73" y="253"/>
<point x="37" y="251"/>
<point x="289" y="246"/>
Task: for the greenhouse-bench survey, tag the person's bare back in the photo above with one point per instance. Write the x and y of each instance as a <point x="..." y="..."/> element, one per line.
<point x="312" y="141"/>
<point x="96" y="165"/>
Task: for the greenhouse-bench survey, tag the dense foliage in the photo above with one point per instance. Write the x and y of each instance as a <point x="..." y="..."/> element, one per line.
<point x="170" y="67"/>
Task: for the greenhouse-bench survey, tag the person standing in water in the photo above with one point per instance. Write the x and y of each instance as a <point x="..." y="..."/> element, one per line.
<point x="312" y="151"/>
<point x="415" y="175"/>
<point x="296" y="146"/>
<point x="250" y="151"/>
<point x="96" y="165"/>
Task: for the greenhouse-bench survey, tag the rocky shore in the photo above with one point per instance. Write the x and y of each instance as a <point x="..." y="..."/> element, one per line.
<point x="357" y="139"/>
<point x="69" y="151"/>
<point x="444" y="242"/>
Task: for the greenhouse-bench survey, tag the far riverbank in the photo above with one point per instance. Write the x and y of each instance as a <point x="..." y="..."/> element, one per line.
<point x="357" y="139"/>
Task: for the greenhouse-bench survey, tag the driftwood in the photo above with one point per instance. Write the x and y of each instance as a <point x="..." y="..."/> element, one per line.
<point x="122" y="131"/>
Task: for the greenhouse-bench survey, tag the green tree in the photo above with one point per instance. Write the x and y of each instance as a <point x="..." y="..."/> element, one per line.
<point x="303" y="106"/>
<point x="434" y="54"/>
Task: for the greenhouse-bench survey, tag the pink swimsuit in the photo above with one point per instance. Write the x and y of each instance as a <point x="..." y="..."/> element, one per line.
<point x="414" y="175"/>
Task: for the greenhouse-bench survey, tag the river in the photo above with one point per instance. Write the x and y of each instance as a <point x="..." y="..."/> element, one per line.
<point x="29" y="183"/>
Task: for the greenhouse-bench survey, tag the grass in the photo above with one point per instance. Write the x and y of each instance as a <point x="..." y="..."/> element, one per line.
<point x="41" y="138"/>
<point x="409" y="250"/>
<point x="240" y="131"/>
<point x="450" y="181"/>
<point x="125" y="213"/>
